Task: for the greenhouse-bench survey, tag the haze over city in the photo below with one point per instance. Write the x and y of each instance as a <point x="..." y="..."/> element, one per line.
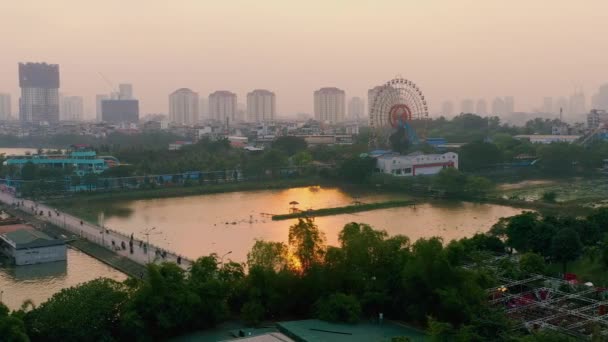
<point x="452" y="50"/>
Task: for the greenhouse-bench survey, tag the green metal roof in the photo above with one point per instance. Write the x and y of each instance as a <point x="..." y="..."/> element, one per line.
<point x="31" y="238"/>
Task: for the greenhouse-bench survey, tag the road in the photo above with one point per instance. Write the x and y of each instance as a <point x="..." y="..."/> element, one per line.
<point x="142" y="253"/>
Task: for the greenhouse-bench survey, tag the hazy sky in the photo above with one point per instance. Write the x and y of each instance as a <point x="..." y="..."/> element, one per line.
<point x="452" y="49"/>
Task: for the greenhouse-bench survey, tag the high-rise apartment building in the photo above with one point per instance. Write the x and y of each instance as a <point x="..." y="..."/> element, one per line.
<point x="498" y="107"/>
<point x="261" y="106"/>
<point x="447" y="108"/>
<point x="5" y="106"/>
<point x="577" y="103"/>
<point x="600" y="99"/>
<point x="98" y="99"/>
<point x="183" y="107"/>
<point x="125" y="91"/>
<point x="467" y="106"/>
<point x="329" y="104"/>
<point x="72" y="108"/>
<point x="223" y="106"/>
<point x="509" y="104"/>
<point x="481" y="108"/>
<point x="547" y="104"/>
<point x="356" y="108"/>
<point x="39" y="83"/>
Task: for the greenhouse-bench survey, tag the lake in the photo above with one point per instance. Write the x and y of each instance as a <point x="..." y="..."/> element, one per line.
<point x="231" y="222"/>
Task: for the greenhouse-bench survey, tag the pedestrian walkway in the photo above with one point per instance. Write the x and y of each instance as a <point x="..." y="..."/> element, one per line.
<point x="131" y="247"/>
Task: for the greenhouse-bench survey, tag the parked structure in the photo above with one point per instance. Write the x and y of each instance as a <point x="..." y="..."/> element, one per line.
<point x="28" y="246"/>
<point x="415" y="164"/>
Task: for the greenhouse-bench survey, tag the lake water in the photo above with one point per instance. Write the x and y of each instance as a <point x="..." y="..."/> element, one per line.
<point x="40" y="282"/>
<point x="231" y="222"/>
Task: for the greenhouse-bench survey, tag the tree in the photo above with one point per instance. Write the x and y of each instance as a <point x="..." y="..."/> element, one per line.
<point x="356" y="169"/>
<point x="307" y="243"/>
<point x="339" y="307"/>
<point x="12" y="327"/>
<point x="29" y="171"/>
<point x="519" y="230"/>
<point x="88" y="312"/>
<point x="566" y="246"/>
<point x="399" y="140"/>
<point x="450" y="181"/>
<point x="290" y="144"/>
<point x="268" y="255"/>
<point x="479" y="155"/>
<point x="532" y="263"/>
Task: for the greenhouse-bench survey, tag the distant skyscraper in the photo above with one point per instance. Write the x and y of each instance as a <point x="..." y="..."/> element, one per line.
<point x="39" y="84"/>
<point x="447" y="108"/>
<point x="261" y="106"/>
<point x="223" y="106"/>
<point x="498" y="107"/>
<point x="562" y="104"/>
<point x="98" y="99"/>
<point x="547" y="104"/>
<point x="329" y="104"/>
<point x="371" y="94"/>
<point x="125" y="91"/>
<point x="120" y="111"/>
<point x="5" y="106"/>
<point x="466" y="106"/>
<point x="509" y="104"/>
<point x="481" y="108"/>
<point x="577" y="103"/>
<point x="600" y="100"/>
<point x="72" y="108"/>
<point x="183" y="107"/>
<point x="356" y="108"/>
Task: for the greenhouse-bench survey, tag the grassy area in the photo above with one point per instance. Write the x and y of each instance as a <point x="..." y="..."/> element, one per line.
<point x="345" y="210"/>
<point x="586" y="269"/>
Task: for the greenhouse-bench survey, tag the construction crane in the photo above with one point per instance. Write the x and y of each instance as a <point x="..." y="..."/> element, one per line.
<point x="110" y="84"/>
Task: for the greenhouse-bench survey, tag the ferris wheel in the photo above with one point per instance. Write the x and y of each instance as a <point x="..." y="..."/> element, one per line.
<point x="397" y="104"/>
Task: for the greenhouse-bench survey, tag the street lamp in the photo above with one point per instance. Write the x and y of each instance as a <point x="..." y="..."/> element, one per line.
<point x="222" y="258"/>
<point x="147" y="233"/>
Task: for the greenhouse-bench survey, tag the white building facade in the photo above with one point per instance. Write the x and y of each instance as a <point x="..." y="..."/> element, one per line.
<point x="72" y="108"/>
<point x="356" y="108"/>
<point x="415" y="164"/>
<point x="5" y="106"/>
<point x="183" y="107"/>
<point x="261" y="106"/>
<point x="223" y="106"/>
<point x="329" y="105"/>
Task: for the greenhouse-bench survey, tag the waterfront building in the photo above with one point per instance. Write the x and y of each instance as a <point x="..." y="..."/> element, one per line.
<point x="5" y="106"/>
<point x="120" y="111"/>
<point x="223" y="106"/>
<point x="415" y="164"/>
<point x="27" y="245"/>
<point x="356" y="108"/>
<point x="39" y="83"/>
<point x="183" y="107"/>
<point x="329" y="104"/>
<point x="82" y="161"/>
<point x="261" y="106"/>
<point x="72" y="108"/>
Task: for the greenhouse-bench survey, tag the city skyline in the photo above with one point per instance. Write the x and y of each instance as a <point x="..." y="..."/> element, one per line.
<point x="296" y="48"/>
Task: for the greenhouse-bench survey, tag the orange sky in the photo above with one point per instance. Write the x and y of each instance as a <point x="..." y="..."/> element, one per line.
<point x="452" y="49"/>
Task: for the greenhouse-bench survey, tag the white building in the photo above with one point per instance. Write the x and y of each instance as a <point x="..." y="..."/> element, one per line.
<point x="27" y="246"/>
<point x="223" y="106"/>
<point x="183" y="107"/>
<point x="415" y="164"/>
<point x="5" y="106"/>
<point x="329" y="105"/>
<point x="547" y="139"/>
<point x="356" y="108"/>
<point x="596" y="117"/>
<point x="72" y="108"/>
<point x="261" y="106"/>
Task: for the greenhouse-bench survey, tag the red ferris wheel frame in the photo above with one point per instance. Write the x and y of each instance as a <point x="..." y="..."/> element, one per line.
<point x="399" y="115"/>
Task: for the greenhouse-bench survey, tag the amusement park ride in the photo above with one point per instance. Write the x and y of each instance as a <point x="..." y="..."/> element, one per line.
<point x="398" y="104"/>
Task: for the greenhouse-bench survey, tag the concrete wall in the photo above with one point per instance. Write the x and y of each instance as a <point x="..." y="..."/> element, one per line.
<point x="39" y="255"/>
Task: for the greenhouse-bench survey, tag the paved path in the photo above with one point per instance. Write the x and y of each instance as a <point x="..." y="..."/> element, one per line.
<point x="113" y="240"/>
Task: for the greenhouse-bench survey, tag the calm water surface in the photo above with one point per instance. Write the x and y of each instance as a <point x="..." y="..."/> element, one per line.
<point x="40" y="282"/>
<point x="231" y="222"/>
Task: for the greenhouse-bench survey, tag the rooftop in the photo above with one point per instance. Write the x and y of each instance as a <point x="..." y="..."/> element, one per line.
<point x="22" y="236"/>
